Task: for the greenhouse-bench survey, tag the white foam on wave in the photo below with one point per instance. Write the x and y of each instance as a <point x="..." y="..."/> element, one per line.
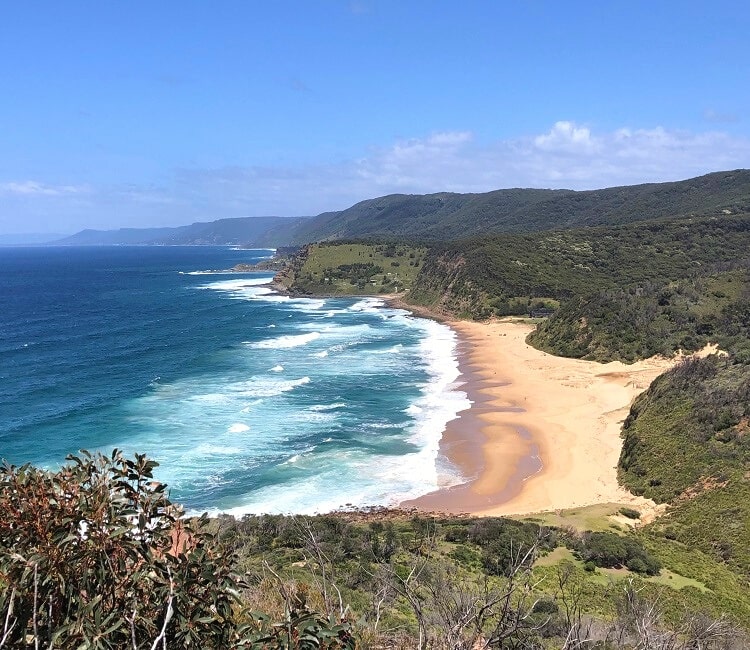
<point x="208" y="449"/>
<point x="237" y="284"/>
<point x="247" y="289"/>
<point x="264" y="387"/>
<point x="347" y="478"/>
<point x="308" y="304"/>
<point x="211" y="272"/>
<point x="441" y="399"/>
<point x="287" y="341"/>
<point x="314" y="416"/>
<point x="328" y="407"/>
<point x="258" y="289"/>
<point x="209" y="398"/>
<point x="214" y="412"/>
<point x="368" y="305"/>
<point x="336" y="330"/>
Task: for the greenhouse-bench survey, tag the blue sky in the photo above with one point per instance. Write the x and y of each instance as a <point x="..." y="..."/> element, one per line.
<point x="163" y="113"/>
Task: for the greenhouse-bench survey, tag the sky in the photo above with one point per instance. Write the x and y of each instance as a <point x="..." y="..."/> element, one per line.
<point x="137" y="114"/>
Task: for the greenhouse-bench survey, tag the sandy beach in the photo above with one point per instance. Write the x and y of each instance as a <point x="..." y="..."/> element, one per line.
<point x="543" y="432"/>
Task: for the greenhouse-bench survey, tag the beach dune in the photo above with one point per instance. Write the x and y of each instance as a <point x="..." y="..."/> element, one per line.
<point x="543" y="432"/>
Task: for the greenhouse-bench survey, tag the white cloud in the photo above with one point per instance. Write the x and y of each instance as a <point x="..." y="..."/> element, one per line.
<point x="568" y="155"/>
<point x="566" y="136"/>
<point x="712" y="115"/>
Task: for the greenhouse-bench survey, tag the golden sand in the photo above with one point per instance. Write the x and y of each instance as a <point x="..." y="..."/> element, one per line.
<point x="543" y="432"/>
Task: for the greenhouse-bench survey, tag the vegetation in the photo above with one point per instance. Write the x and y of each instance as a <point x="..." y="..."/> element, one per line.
<point x="447" y="216"/>
<point x="686" y="444"/>
<point x="641" y="321"/>
<point x="95" y="556"/>
<point x="243" y="231"/>
<point x="353" y="269"/>
<point x="502" y="275"/>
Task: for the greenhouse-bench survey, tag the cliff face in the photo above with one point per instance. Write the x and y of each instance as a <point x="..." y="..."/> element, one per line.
<point x="443" y="285"/>
<point x="293" y="263"/>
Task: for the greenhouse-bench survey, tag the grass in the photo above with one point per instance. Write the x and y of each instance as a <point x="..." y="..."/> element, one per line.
<point x="676" y="581"/>
<point x="594" y="518"/>
<point x="556" y="556"/>
<point x="604" y="576"/>
<point x="357" y="269"/>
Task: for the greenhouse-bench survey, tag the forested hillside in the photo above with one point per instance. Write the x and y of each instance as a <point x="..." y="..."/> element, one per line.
<point x="449" y="216"/>
<point x="642" y="320"/>
<point x="242" y="231"/>
<point x="446" y="216"/>
<point x="504" y="274"/>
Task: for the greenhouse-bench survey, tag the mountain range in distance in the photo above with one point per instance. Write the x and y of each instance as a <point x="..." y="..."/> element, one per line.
<point x="248" y="231"/>
<point x="446" y="216"/>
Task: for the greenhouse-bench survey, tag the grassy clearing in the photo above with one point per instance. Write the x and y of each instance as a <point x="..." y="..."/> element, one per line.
<point x="556" y="556"/>
<point x="676" y="581"/>
<point x="357" y="269"/>
<point x="595" y="518"/>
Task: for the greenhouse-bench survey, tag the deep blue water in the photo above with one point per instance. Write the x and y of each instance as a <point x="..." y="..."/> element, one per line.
<point x="249" y="400"/>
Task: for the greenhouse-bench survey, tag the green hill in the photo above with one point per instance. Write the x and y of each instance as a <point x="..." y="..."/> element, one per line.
<point x="653" y="318"/>
<point x="686" y="443"/>
<point x="352" y="268"/>
<point x="447" y="216"/>
<point x="241" y="231"/>
<point x="509" y="274"/>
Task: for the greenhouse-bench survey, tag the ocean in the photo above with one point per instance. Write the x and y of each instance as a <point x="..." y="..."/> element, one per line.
<point x="250" y="401"/>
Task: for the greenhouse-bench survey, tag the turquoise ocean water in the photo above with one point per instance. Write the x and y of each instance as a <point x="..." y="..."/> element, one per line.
<point x="250" y="401"/>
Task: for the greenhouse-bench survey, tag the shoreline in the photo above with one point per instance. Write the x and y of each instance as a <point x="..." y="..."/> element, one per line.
<point x="542" y="432"/>
<point x="536" y="423"/>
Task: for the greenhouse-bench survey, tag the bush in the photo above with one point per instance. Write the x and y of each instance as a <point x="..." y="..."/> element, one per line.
<point x="95" y="556"/>
<point x="545" y="606"/>
<point x="630" y="513"/>
<point x="610" y="550"/>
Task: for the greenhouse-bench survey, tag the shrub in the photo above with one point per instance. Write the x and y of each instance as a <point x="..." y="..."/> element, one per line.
<point x="611" y="550"/>
<point x="95" y="556"/>
<point x="630" y="513"/>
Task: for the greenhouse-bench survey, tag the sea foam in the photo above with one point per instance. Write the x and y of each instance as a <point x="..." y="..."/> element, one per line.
<point x="374" y="383"/>
<point x="288" y="341"/>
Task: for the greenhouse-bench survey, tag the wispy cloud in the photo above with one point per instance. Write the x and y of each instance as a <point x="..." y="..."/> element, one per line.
<point x="567" y="155"/>
<point x="298" y="85"/>
<point x="359" y="7"/>
<point x="720" y="117"/>
<point x="34" y="188"/>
